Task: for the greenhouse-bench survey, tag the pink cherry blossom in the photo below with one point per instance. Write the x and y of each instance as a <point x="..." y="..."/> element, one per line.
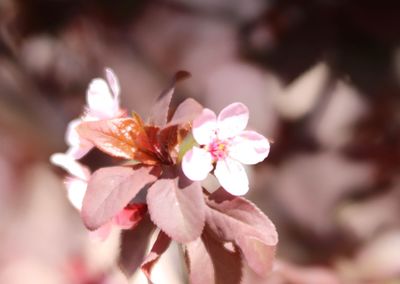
<point x="225" y="145"/>
<point x="102" y="102"/>
<point x="103" y="98"/>
<point x="76" y="182"/>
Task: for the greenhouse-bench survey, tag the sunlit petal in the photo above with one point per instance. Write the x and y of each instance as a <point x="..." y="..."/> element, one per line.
<point x="249" y="148"/>
<point x="76" y="189"/>
<point x="204" y="127"/>
<point x="78" y="147"/>
<point x="114" y="83"/>
<point x="232" y="120"/>
<point x="69" y="164"/>
<point x="100" y="102"/>
<point x="71" y="135"/>
<point x="78" y="152"/>
<point x="197" y="163"/>
<point x="232" y="176"/>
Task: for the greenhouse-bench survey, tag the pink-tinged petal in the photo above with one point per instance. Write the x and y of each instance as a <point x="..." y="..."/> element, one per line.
<point x="76" y="189"/>
<point x="101" y="103"/>
<point x="70" y="165"/>
<point x="232" y="176"/>
<point x="77" y="152"/>
<point x="204" y="127"/>
<point x="249" y="148"/>
<point x="78" y="147"/>
<point x="71" y="135"/>
<point x="101" y="233"/>
<point x="197" y="163"/>
<point x="232" y="120"/>
<point x="113" y="82"/>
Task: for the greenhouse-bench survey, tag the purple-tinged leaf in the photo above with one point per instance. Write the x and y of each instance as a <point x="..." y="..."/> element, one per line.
<point x="176" y="206"/>
<point x="241" y="222"/>
<point x="134" y="245"/>
<point x="199" y="263"/>
<point x="168" y="139"/>
<point x="259" y="256"/>
<point x="211" y="261"/>
<point x="111" y="189"/>
<point x="159" y="113"/>
<point x="159" y="247"/>
<point x="120" y="137"/>
<point x="251" y="277"/>
<point x="226" y="260"/>
<point x="188" y="110"/>
<point x="289" y="273"/>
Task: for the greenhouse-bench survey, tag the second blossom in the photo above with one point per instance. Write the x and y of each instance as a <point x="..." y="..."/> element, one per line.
<point x="225" y="144"/>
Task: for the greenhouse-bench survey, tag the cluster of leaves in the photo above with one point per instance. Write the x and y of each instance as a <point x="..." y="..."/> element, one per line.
<point x="219" y="233"/>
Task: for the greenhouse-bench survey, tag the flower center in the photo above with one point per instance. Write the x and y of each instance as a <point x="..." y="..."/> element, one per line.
<point x="218" y="149"/>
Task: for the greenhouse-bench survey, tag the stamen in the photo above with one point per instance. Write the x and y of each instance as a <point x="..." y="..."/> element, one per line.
<point x="218" y="149"/>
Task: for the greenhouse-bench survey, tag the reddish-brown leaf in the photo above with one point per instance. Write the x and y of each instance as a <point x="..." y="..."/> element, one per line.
<point x="199" y="263"/>
<point x="177" y="207"/>
<point x="159" y="112"/>
<point x="168" y="139"/>
<point x="111" y="189"/>
<point x="152" y="134"/>
<point x="163" y="140"/>
<point x="226" y="260"/>
<point x="212" y="261"/>
<point x="188" y="110"/>
<point x="239" y="221"/>
<point x="120" y="137"/>
<point x="159" y="247"/>
<point x="251" y="277"/>
<point x="143" y="141"/>
<point x="134" y="245"/>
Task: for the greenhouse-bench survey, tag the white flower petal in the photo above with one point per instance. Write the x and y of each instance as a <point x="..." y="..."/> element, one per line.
<point x="232" y="120"/>
<point x="232" y="176"/>
<point x="113" y="82"/>
<point x="197" y="163"/>
<point x="70" y="165"/>
<point x="76" y="189"/>
<point x="77" y="147"/>
<point x="249" y="148"/>
<point x="71" y="135"/>
<point x="101" y="103"/>
<point x="204" y="127"/>
<point x="77" y="152"/>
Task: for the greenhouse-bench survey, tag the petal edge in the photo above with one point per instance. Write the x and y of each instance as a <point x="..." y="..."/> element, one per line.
<point x="232" y="120"/>
<point x="232" y="176"/>
<point x="196" y="164"/>
<point x="249" y="148"/>
<point x="204" y="127"/>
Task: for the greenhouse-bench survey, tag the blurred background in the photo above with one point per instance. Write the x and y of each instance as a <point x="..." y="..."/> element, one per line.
<point x="320" y="77"/>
